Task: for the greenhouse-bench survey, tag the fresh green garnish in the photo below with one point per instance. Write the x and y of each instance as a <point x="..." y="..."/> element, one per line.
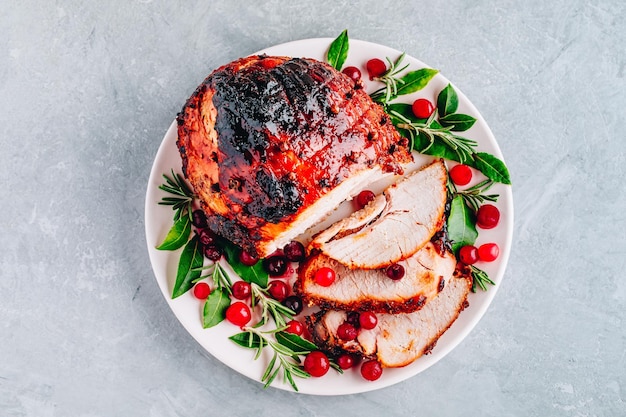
<point x="338" y="51"/>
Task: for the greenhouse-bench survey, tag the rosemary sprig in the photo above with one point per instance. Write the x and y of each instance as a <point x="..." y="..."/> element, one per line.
<point x="391" y="81"/>
<point x="218" y="275"/>
<point x="474" y="196"/>
<point x="287" y="349"/>
<point x="481" y="278"/>
<point x="270" y="308"/>
<point x="183" y="195"/>
<point x="463" y="148"/>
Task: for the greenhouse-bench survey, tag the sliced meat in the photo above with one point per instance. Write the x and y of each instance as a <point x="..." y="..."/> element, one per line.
<point x="398" y="339"/>
<point x="413" y="212"/>
<point x="271" y="145"/>
<point x="370" y="289"/>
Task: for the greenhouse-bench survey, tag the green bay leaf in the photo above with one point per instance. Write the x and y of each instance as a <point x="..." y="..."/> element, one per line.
<point x="461" y="224"/>
<point x="492" y="167"/>
<point x="295" y="343"/>
<point x="189" y="267"/>
<point x="457" y="122"/>
<point x="214" y="311"/>
<point x="178" y="235"/>
<point x="338" y="51"/>
<point x="248" y="340"/>
<point x="253" y="274"/>
<point x="447" y="101"/>
<point x="415" y="80"/>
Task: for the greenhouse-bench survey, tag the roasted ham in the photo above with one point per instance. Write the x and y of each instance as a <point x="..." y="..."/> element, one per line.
<point x="370" y="289"/>
<point x="271" y="145"/>
<point x="398" y="339"/>
<point x="390" y="230"/>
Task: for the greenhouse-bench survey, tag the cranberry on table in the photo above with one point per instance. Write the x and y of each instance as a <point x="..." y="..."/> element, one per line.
<point x="294" y="303"/>
<point x="368" y="320"/>
<point x="294" y="251"/>
<point x="364" y="197"/>
<point x="347" y="332"/>
<point x="395" y="271"/>
<point x="238" y="313"/>
<point x="213" y="252"/>
<point x="488" y="252"/>
<point x="352" y="72"/>
<point x="325" y="276"/>
<point x="201" y="290"/>
<point x="295" y="327"/>
<point x="487" y="216"/>
<point x="198" y="219"/>
<point x="468" y="254"/>
<point x="422" y="108"/>
<point x="241" y="290"/>
<point x="316" y="363"/>
<point x="376" y="67"/>
<point x="345" y="361"/>
<point x="278" y="290"/>
<point x="461" y="174"/>
<point x="276" y="265"/>
<point x="247" y="258"/>
<point x="371" y="370"/>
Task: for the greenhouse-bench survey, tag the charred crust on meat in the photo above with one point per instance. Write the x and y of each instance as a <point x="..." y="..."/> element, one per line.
<point x="442" y="284"/>
<point x="392" y="148"/>
<point x="383" y="120"/>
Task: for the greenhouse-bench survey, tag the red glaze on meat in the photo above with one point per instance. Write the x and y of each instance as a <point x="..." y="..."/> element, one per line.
<point x="272" y="144"/>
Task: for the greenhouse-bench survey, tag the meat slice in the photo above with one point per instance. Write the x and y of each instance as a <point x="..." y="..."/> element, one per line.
<point x="271" y="145"/>
<point x="413" y="212"/>
<point x="398" y="339"/>
<point x="370" y="289"/>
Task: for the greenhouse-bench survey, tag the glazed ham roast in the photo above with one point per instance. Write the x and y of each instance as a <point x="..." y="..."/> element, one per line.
<point x="271" y="145"/>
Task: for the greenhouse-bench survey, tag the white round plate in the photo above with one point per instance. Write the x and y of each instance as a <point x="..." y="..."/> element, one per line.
<point x="188" y="310"/>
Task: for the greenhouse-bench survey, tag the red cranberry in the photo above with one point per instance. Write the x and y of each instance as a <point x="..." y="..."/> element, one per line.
<point x="201" y="290"/>
<point x="248" y="259"/>
<point x="198" y="219"/>
<point x="352" y="72"/>
<point x="295" y="327"/>
<point x="364" y="197"/>
<point x="488" y="252"/>
<point x="207" y="237"/>
<point x="422" y="108"/>
<point x="368" y="320"/>
<point x="345" y="361"/>
<point x="294" y="251"/>
<point x="241" y="290"/>
<point x="487" y="216"/>
<point x="461" y="174"/>
<point x="238" y="313"/>
<point x="347" y="332"/>
<point x="213" y="253"/>
<point x="376" y="67"/>
<point x="294" y="303"/>
<point x="276" y="265"/>
<point x="468" y="254"/>
<point x="278" y="290"/>
<point x="325" y="276"/>
<point x="371" y="370"/>
<point x="395" y="271"/>
<point x="353" y="318"/>
<point x="316" y="363"/>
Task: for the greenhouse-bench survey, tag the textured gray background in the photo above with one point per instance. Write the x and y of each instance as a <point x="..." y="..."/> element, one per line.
<point x="87" y="91"/>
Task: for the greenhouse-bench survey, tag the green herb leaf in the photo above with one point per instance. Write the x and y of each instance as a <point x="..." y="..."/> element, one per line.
<point x="178" y="234"/>
<point x="215" y="308"/>
<point x="189" y="264"/>
<point x="480" y="278"/>
<point x="447" y="101"/>
<point x="254" y="274"/>
<point x="295" y="343"/>
<point x="248" y="340"/>
<point x="457" y="122"/>
<point x="415" y="80"/>
<point x="338" y="51"/>
<point x="492" y="167"/>
<point x="461" y="224"/>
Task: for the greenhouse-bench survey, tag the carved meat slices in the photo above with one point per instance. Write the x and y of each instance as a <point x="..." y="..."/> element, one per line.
<point x="378" y="236"/>
<point x="398" y="339"/>
<point x="271" y="145"/>
<point x="371" y="290"/>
